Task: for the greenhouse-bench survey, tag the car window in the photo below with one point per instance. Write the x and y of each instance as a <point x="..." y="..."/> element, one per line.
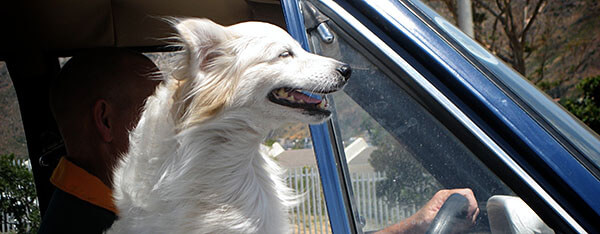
<point x="16" y="181"/>
<point x="398" y="153"/>
<point x="291" y="147"/>
<point x="12" y="133"/>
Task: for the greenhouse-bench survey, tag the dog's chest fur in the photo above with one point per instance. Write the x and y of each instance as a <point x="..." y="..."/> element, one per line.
<point x="210" y="178"/>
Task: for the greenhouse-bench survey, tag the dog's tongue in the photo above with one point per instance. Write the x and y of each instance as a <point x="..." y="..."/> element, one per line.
<point x="300" y="96"/>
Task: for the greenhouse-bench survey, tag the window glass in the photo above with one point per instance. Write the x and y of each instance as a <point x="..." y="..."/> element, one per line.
<point x="291" y="147"/>
<point x="12" y="134"/>
<point x="16" y="182"/>
<point x="398" y="154"/>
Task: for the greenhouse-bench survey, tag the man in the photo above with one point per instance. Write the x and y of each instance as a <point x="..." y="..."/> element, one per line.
<point x="96" y="100"/>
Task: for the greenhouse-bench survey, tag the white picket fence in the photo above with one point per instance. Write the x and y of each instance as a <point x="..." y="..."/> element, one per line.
<point x="375" y="213"/>
<point x="6" y="223"/>
<point x="310" y="215"/>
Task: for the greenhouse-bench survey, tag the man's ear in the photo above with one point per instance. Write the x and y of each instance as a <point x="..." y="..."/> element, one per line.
<point x="101" y="112"/>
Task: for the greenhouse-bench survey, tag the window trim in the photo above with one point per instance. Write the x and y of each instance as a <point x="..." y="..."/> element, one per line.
<point x="334" y="189"/>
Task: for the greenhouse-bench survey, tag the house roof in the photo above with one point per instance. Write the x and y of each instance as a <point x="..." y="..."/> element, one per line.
<point x="357" y="155"/>
<point x="296" y="158"/>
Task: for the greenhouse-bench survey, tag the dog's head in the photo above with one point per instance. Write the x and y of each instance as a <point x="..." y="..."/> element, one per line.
<point x="252" y="66"/>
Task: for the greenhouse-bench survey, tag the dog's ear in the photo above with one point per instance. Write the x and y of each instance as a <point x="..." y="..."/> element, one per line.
<point x="200" y="37"/>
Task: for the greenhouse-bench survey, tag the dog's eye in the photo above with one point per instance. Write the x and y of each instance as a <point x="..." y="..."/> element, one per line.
<point x="285" y="54"/>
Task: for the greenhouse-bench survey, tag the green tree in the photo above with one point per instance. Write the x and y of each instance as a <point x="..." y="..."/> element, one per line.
<point x="586" y="108"/>
<point x="406" y="180"/>
<point x="17" y="195"/>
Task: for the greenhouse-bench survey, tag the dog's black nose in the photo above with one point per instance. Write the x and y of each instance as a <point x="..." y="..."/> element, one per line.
<point x="345" y="70"/>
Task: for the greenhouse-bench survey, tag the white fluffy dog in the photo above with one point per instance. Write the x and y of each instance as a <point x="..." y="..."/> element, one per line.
<point x="194" y="164"/>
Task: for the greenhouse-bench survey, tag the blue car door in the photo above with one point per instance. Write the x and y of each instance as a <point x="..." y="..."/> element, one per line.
<point x="428" y="109"/>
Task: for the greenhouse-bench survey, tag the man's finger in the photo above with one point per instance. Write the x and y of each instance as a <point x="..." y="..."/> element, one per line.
<point x="473" y="210"/>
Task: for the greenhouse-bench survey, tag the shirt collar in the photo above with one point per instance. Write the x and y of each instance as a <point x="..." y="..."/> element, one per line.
<point x="79" y="183"/>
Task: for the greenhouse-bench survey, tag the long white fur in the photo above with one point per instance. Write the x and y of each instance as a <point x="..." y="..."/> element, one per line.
<point x="194" y="164"/>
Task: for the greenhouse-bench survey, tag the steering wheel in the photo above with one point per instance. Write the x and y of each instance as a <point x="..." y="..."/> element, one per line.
<point x="453" y="212"/>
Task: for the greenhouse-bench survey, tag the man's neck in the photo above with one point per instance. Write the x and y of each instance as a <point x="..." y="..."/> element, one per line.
<point x="94" y="165"/>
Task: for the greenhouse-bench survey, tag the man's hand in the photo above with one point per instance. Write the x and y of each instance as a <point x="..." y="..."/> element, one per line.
<point x="420" y="221"/>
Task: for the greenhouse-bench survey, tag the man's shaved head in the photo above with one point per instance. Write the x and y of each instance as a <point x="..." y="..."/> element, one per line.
<point x="107" y="73"/>
<point x="96" y="100"/>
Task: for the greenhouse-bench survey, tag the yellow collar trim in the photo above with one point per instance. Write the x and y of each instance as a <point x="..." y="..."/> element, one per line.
<point x="78" y="182"/>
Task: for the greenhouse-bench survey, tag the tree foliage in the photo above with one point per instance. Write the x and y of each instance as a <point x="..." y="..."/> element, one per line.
<point x="515" y="19"/>
<point x="586" y="108"/>
<point x="504" y="27"/>
<point x="551" y="43"/>
<point x="17" y="193"/>
<point x="406" y="182"/>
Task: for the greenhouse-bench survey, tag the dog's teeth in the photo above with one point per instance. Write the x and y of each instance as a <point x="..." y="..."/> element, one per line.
<point x="323" y="104"/>
<point x="282" y="93"/>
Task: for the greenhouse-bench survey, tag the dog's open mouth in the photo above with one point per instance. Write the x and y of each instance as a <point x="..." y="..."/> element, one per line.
<point x="294" y="98"/>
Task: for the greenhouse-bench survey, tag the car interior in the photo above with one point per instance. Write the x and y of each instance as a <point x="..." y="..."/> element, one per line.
<point x="36" y="35"/>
